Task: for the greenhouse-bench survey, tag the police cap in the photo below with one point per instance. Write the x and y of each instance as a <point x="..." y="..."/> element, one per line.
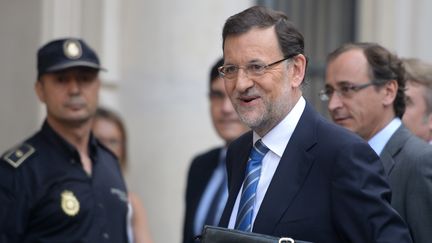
<point x="66" y="53"/>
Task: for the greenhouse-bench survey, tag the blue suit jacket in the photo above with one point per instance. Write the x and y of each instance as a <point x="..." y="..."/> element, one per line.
<point x="329" y="187"/>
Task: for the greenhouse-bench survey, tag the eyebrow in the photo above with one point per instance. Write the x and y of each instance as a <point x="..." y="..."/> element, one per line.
<point x="339" y="84"/>
<point x="255" y="60"/>
<point x="250" y="61"/>
<point x="343" y="82"/>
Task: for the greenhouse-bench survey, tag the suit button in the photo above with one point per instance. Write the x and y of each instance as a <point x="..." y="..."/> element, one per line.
<point x="105" y="235"/>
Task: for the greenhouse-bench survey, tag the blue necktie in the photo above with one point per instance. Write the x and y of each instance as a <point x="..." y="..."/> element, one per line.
<point x="247" y="200"/>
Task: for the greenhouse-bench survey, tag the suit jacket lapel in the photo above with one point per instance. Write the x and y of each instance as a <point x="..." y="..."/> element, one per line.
<point x="206" y="169"/>
<point x="393" y="147"/>
<point x="387" y="160"/>
<point x="290" y="174"/>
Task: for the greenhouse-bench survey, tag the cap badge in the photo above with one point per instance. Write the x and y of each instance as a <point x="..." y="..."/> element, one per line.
<point x="69" y="203"/>
<point x="72" y="49"/>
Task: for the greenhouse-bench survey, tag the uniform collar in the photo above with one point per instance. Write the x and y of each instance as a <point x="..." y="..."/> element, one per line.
<point x="68" y="149"/>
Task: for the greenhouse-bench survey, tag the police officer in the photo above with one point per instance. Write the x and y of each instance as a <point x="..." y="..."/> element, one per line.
<point x="61" y="184"/>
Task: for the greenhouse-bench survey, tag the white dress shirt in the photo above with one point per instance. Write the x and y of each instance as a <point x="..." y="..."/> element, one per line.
<point x="379" y="140"/>
<point x="276" y="140"/>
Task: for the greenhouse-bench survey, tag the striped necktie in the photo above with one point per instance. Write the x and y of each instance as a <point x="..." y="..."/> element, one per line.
<point x="247" y="200"/>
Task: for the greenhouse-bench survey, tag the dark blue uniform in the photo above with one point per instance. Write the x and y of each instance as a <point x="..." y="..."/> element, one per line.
<point x="46" y="196"/>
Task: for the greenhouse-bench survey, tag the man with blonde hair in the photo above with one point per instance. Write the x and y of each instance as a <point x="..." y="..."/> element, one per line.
<point x="418" y="92"/>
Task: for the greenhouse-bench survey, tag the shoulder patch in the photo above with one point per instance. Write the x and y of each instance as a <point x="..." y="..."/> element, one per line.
<point x="18" y="155"/>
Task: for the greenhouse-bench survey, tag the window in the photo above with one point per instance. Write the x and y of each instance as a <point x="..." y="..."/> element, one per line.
<point x="325" y="25"/>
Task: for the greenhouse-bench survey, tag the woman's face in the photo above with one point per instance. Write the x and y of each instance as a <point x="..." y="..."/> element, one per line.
<point x="110" y="135"/>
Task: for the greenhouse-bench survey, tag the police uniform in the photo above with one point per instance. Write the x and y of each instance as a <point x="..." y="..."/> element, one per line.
<point x="46" y="196"/>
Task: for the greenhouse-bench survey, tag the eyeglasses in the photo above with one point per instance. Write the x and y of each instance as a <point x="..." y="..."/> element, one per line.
<point x="345" y="90"/>
<point x="255" y="69"/>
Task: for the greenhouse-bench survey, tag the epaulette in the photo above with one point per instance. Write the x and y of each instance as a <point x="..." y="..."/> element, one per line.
<point x="18" y="155"/>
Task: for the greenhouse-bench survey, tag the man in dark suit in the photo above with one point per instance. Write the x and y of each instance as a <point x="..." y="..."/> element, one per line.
<point x="317" y="182"/>
<point x="365" y="86"/>
<point x="207" y="190"/>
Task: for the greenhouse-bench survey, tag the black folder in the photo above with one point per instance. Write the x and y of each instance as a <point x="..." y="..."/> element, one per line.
<point x="213" y="234"/>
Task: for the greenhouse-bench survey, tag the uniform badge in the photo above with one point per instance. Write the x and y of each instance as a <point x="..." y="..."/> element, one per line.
<point x="18" y="155"/>
<point x="72" y="49"/>
<point x="69" y="203"/>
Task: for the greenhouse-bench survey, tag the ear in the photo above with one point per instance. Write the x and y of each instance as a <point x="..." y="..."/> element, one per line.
<point x="299" y="69"/>
<point x="39" y="90"/>
<point x="390" y="91"/>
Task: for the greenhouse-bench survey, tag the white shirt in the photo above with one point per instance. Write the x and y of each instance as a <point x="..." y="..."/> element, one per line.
<point x="276" y="140"/>
<point x="379" y="140"/>
<point x="129" y="227"/>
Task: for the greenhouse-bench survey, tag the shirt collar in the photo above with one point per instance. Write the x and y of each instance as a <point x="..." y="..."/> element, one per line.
<point x="278" y="137"/>
<point x="69" y="150"/>
<point x="379" y="140"/>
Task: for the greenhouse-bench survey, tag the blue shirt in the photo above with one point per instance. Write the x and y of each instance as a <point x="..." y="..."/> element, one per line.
<point x="46" y="196"/>
<point x="219" y="178"/>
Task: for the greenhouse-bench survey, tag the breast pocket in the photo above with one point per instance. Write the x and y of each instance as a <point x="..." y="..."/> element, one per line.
<point x="63" y="204"/>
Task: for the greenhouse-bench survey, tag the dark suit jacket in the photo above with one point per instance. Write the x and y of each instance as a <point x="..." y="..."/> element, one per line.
<point x="408" y="163"/>
<point x="200" y="172"/>
<point x="329" y="187"/>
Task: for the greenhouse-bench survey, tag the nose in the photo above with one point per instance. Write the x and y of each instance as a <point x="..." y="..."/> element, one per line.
<point x="243" y="82"/>
<point x="334" y="102"/>
<point x="73" y="86"/>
